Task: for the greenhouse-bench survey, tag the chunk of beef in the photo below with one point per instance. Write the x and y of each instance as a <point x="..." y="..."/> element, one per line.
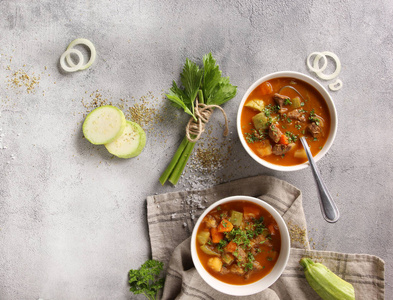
<point x="210" y="221"/>
<point x="224" y="271"/>
<point x="274" y="133"/>
<point x="259" y="240"/>
<point x="280" y="99"/>
<point x="280" y="149"/>
<point x="314" y="129"/>
<point x="235" y="269"/>
<point x="241" y="254"/>
<point x="256" y="266"/>
<point x="297" y="115"/>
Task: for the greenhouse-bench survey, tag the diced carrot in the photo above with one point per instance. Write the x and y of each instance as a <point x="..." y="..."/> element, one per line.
<point x="271" y="229"/>
<point x="283" y="140"/>
<point x="231" y="247"/>
<point x="225" y="226"/>
<point x="216" y="236"/>
<point x="250" y="212"/>
<point x="266" y="88"/>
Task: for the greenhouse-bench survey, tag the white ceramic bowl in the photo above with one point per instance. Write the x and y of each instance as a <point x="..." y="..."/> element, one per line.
<point x="263" y="283"/>
<point x="325" y="95"/>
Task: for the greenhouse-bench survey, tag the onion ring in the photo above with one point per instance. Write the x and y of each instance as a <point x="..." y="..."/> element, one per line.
<point x="336" y="71"/>
<point x="74" y="67"/>
<point x="335" y="86"/>
<point x="315" y="68"/>
<point x="93" y="52"/>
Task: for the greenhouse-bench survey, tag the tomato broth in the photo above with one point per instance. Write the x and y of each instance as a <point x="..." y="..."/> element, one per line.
<point x="303" y="112"/>
<point x="238" y="242"/>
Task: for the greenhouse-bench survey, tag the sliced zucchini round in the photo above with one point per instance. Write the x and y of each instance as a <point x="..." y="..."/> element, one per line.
<point x="103" y="125"/>
<point x="130" y="143"/>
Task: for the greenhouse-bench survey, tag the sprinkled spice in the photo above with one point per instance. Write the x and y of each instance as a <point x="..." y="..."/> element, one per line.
<point x="298" y="234"/>
<point x="95" y="100"/>
<point x="20" y="79"/>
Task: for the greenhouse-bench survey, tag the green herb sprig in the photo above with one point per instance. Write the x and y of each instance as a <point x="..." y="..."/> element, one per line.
<point x="146" y="279"/>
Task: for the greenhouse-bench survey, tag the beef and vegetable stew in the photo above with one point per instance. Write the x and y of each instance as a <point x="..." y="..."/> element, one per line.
<point x="277" y="113"/>
<point x="238" y="242"/>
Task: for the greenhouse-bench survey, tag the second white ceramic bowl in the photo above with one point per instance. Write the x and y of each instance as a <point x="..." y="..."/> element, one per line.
<point x="263" y="283"/>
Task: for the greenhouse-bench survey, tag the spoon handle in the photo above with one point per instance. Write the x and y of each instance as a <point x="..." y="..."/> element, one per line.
<point x="329" y="209"/>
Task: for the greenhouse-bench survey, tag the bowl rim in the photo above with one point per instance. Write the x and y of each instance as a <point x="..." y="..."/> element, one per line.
<point x="328" y="99"/>
<point x="263" y="283"/>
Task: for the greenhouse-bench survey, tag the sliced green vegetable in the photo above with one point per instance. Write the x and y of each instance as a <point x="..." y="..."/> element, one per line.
<point x="236" y="218"/>
<point x="104" y="124"/>
<point x="296" y="102"/>
<point x="203" y="237"/>
<point x="260" y="121"/>
<point x="130" y="143"/>
<point x="327" y="284"/>
<point x="209" y="251"/>
<point x="227" y="258"/>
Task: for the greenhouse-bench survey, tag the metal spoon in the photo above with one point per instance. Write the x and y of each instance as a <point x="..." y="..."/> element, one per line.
<point x="328" y="207"/>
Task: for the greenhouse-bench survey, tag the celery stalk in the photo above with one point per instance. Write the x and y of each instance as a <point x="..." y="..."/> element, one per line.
<point x="178" y="170"/>
<point x="168" y="171"/>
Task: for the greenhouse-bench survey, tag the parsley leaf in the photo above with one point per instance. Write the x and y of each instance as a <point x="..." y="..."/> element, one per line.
<point x="146" y="280"/>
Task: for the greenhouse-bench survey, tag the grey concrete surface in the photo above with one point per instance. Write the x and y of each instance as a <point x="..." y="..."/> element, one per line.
<point x="73" y="219"/>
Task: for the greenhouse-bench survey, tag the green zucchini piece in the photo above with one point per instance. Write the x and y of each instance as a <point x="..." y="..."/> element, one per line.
<point x="296" y="102"/>
<point x="260" y="121"/>
<point x="227" y="258"/>
<point x="130" y="143"/>
<point x="327" y="284"/>
<point x="103" y="125"/>
<point x="236" y="218"/>
<point x="203" y="237"/>
<point x="209" y="251"/>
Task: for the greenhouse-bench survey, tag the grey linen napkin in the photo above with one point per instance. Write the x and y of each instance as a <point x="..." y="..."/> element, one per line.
<point x="172" y="216"/>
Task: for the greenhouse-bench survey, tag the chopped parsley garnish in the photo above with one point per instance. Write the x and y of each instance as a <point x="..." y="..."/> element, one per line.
<point x="221" y="245"/>
<point x="291" y="137"/>
<point x="287" y="101"/>
<point x="313" y="117"/>
<point x="255" y="136"/>
<point x="248" y="266"/>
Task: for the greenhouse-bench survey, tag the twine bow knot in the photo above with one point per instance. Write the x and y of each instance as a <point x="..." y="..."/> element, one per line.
<point x="203" y="113"/>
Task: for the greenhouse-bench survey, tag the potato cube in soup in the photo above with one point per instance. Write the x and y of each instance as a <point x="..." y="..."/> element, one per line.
<point x="256" y="105"/>
<point x="265" y="151"/>
<point x="215" y="264"/>
<point x="300" y="153"/>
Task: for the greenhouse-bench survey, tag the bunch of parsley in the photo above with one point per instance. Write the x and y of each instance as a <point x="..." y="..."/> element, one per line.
<point x="211" y="88"/>
<point x="146" y="280"/>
